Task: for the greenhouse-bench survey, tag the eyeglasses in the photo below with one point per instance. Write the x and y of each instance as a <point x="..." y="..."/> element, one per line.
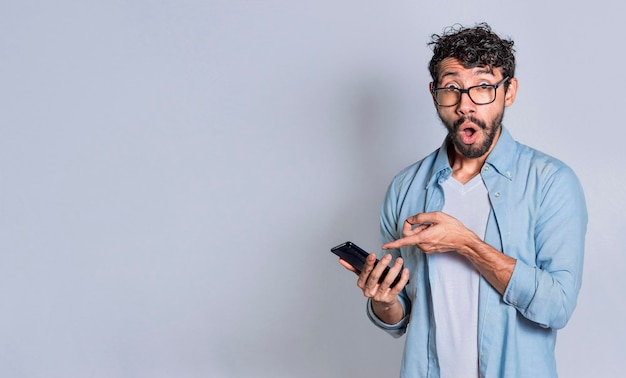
<point x="479" y="94"/>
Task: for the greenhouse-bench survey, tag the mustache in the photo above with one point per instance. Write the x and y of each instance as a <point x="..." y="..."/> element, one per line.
<point x="471" y="119"/>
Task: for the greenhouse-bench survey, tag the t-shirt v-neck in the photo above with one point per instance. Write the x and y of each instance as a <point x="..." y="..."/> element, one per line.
<point x="455" y="283"/>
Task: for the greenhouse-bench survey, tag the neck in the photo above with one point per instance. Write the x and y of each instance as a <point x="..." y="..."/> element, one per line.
<point x="463" y="168"/>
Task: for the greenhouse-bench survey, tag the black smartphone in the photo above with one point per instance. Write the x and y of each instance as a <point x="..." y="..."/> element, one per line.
<point x="356" y="256"/>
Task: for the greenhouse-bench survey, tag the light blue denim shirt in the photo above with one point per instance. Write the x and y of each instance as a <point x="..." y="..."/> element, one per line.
<point x="538" y="217"/>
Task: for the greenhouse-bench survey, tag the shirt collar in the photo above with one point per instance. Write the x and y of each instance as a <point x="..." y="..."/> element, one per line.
<point x="500" y="158"/>
<point x="441" y="169"/>
<point x="503" y="156"/>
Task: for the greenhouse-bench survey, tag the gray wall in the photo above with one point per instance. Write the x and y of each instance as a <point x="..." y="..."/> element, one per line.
<point x="172" y="175"/>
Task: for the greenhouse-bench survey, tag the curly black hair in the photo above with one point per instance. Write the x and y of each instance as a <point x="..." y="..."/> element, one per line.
<point x="474" y="46"/>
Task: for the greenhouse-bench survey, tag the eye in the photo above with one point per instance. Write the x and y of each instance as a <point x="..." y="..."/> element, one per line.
<point x="484" y="87"/>
<point x="451" y="86"/>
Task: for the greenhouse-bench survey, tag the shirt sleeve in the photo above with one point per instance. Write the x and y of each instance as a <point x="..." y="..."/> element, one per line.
<point x="389" y="232"/>
<point x="395" y="330"/>
<point x="546" y="292"/>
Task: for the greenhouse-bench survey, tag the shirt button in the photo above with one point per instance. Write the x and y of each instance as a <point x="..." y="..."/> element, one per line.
<point x="486" y="168"/>
<point x="497" y="194"/>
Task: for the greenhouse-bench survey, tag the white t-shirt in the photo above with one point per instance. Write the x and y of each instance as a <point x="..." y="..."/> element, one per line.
<point x="455" y="283"/>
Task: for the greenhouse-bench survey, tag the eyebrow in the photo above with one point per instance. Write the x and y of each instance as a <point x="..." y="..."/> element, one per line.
<point x="487" y="70"/>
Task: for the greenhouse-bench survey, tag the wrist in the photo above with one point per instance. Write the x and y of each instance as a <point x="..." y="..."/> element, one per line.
<point x="384" y="306"/>
<point x="388" y="312"/>
<point x="471" y="247"/>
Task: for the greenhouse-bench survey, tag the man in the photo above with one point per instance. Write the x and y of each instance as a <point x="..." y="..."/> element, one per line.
<point x="490" y="232"/>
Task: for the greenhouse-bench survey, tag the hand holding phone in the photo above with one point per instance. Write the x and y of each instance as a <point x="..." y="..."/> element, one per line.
<point x="356" y="256"/>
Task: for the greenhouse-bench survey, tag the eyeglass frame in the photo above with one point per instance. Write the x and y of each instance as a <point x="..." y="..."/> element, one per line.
<point x="461" y="91"/>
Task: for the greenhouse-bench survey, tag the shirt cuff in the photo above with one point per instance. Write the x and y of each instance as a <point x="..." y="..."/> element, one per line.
<point x="395" y="329"/>
<point x="521" y="288"/>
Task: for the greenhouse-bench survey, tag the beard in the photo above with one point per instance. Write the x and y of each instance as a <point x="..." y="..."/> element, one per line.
<point x="473" y="151"/>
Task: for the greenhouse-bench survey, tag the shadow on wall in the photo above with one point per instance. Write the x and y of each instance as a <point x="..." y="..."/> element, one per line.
<point x="293" y="332"/>
<point x="382" y="141"/>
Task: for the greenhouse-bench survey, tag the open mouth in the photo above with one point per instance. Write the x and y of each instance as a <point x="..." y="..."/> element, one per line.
<point x="468" y="134"/>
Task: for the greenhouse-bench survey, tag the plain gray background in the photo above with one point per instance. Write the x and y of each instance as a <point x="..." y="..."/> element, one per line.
<point x="173" y="174"/>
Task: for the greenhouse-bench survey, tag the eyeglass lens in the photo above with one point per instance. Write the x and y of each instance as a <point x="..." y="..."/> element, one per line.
<point x="479" y="95"/>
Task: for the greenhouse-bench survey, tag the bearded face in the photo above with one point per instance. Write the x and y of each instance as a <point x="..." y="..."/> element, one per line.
<point x="464" y="134"/>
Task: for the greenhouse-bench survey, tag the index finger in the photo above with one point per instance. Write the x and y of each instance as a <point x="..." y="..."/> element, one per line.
<point x="370" y="261"/>
<point x="403" y="242"/>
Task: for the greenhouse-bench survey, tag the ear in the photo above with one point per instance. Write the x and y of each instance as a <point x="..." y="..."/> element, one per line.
<point x="430" y="90"/>
<point x="511" y="92"/>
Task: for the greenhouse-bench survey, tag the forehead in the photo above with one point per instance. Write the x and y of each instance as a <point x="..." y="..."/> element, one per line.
<point x="454" y="68"/>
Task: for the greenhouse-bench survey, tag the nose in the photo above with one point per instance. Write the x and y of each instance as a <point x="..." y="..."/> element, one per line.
<point x="466" y="105"/>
